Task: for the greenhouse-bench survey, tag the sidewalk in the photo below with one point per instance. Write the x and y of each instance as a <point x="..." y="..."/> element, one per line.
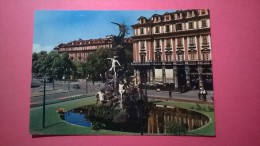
<point x="190" y="96"/>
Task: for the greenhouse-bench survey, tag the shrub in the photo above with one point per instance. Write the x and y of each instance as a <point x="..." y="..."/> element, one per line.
<point x="177" y="128"/>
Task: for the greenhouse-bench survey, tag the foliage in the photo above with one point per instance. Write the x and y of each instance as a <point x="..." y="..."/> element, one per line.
<point x="79" y="69"/>
<point x="51" y="64"/>
<point x="176" y="128"/>
<point x="97" y="64"/>
<point x="102" y="112"/>
<point x="97" y="126"/>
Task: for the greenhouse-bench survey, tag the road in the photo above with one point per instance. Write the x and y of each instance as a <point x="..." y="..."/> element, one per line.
<point x="61" y="90"/>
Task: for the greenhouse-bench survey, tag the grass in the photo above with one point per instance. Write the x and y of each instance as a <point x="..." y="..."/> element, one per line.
<point x="56" y="126"/>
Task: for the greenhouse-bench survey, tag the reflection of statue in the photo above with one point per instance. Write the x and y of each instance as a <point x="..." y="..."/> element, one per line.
<point x="113" y="67"/>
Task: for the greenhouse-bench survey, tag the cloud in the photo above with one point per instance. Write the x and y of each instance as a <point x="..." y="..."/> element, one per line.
<point x="38" y="48"/>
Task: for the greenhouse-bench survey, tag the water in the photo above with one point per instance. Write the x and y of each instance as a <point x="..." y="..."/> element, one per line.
<point x="77" y="118"/>
<point x="156" y="121"/>
<point x="160" y="116"/>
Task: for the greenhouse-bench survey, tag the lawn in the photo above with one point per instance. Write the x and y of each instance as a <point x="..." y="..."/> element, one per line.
<point x="56" y="126"/>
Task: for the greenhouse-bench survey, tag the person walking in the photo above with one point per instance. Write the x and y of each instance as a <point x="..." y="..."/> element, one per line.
<point x="204" y="94"/>
<point x="200" y="93"/>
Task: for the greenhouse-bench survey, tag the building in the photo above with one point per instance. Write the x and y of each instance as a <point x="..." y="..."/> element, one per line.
<point x="79" y="50"/>
<point x="173" y="48"/>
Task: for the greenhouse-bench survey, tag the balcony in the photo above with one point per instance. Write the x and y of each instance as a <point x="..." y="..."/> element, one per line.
<point x="141" y="63"/>
<point x="205" y="44"/>
<point x="179" y="46"/>
<point x="170" y="63"/>
<point x="204" y="62"/>
<point x="167" y="63"/>
<point x="142" y="48"/>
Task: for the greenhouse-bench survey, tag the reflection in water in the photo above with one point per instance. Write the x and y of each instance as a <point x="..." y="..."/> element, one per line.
<point x="158" y="120"/>
<point x="160" y="116"/>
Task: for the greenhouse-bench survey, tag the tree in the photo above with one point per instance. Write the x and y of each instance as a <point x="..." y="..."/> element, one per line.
<point x="79" y="69"/>
<point x="35" y="65"/>
<point x="97" y="63"/>
<point x="52" y="64"/>
<point x="66" y="65"/>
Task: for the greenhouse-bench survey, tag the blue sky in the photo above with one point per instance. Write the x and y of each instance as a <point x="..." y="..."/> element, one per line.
<point x="54" y="27"/>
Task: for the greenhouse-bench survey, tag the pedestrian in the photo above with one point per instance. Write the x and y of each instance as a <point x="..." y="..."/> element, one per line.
<point x="204" y="94"/>
<point x="200" y="93"/>
<point x="170" y="93"/>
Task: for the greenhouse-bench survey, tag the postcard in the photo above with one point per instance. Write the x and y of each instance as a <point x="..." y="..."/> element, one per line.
<point x="122" y="73"/>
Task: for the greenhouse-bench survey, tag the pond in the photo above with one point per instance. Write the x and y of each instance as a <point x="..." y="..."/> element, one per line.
<point x="77" y="117"/>
<point x="155" y="121"/>
<point x="160" y="117"/>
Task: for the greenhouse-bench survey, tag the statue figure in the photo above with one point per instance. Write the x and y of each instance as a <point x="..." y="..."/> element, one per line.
<point x="123" y="30"/>
<point x="113" y="67"/>
<point x="121" y="91"/>
<point x="100" y="97"/>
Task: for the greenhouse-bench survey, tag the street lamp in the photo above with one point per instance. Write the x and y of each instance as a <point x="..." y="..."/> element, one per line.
<point x="44" y="95"/>
<point x="52" y="70"/>
<point x="86" y="83"/>
<point x="141" y="103"/>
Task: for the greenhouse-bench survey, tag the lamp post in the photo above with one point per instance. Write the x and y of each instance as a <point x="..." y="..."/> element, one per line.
<point x="43" y="108"/>
<point x="86" y="83"/>
<point x="53" y="70"/>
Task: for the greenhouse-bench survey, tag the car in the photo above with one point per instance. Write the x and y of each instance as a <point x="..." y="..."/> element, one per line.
<point x="47" y="79"/>
<point x="75" y="86"/>
<point x="34" y="85"/>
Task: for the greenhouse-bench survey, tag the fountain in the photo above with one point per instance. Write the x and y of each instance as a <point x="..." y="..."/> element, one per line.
<point x="122" y="106"/>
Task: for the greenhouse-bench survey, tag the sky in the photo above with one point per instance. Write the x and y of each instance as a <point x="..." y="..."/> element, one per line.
<point x="52" y="28"/>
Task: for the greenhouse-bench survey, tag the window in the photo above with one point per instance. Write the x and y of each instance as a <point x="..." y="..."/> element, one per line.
<point x="142" y="45"/>
<point x="167" y="17"/>
<point x="178" y="27"/>
<point x="180" y="57"/>
<point x="203" y="23"/>
<point x="141" y="30"/>
<point x="205" y="56"/>
<point x="204" y="40"/>
<point x="179" y="42"/>
<point x="192" y="56"/>
<point x="168" y="43"/>
<point x="203" y="12"/>
<point x="168" y="57"/>
<point x="157" y="43"/>
<point x="157" y="29"/>
<point x="142" y="21"/>
<point x="158" y="57"/>
<point x="188" y="14"/>
<point x="167" y="28"/>
<point x="192" y="41"/>
<point x="191" y="25"/>
<point x="142" y="58"/>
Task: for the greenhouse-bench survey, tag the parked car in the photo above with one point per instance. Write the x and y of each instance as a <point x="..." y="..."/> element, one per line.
<point x="34" y="85"/>
<point x="75" y="86"/>
<point x="48" y="79"/>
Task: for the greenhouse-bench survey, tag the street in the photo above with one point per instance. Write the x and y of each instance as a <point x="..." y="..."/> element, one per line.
<point x="61" y="90"/>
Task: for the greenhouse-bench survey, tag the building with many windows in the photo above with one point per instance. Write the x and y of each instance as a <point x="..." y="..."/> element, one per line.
<point x="173" y="48"/>
<point x="79" y="50"/>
